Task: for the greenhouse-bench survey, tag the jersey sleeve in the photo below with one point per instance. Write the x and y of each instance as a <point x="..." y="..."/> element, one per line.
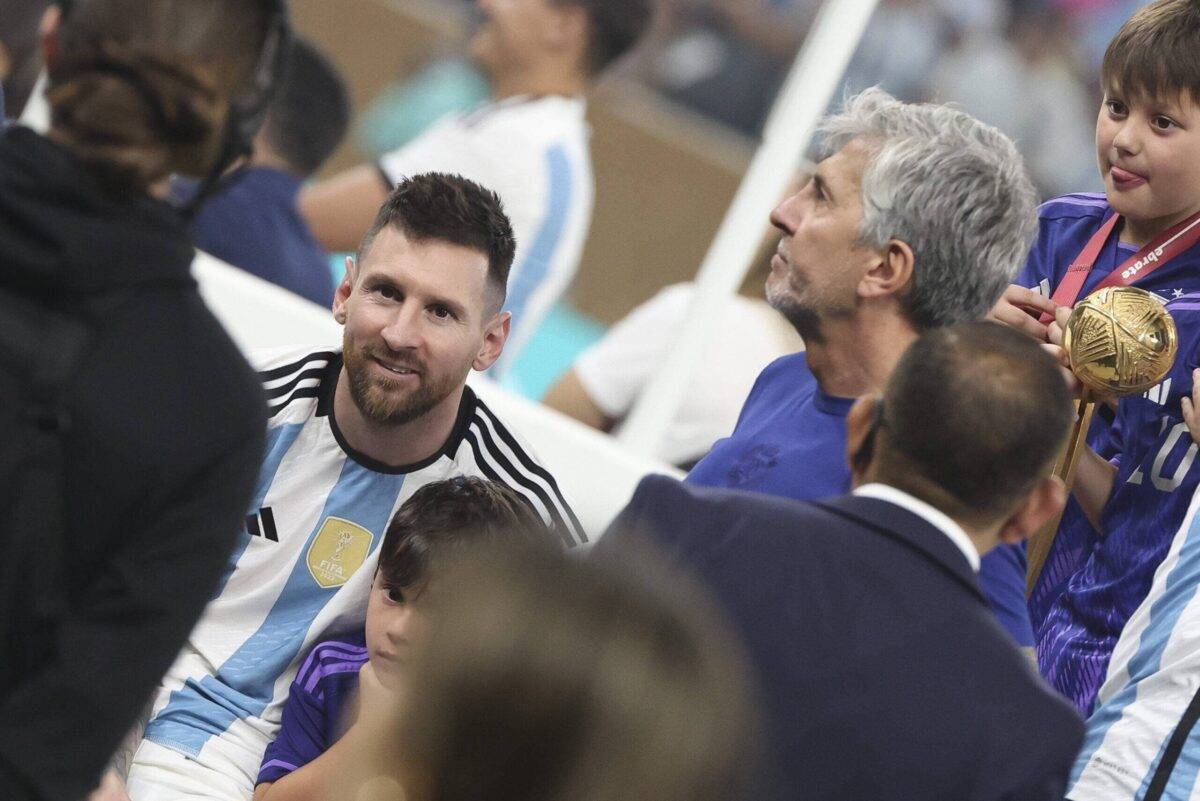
<point x="1038" y="270"/>
<point x="446" y="147"/>
<point x="1002" y="576"/>
<point x="616" y="369"/>
<point x="302" y="736"/>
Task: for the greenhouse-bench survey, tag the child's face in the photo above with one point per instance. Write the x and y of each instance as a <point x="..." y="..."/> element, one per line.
<point x="394" y="624"/>
<point x="1149" y="153"/>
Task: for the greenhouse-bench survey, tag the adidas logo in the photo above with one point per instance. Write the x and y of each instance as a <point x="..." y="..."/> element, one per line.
<point x="262" y="525"/>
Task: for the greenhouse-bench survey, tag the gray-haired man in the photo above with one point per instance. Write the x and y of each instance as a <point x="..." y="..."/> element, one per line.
<point x="919" y="218"/>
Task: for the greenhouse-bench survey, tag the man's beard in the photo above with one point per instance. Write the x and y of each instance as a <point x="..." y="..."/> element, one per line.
<point x="803" y="317"/>
<point x="376" y="397"/>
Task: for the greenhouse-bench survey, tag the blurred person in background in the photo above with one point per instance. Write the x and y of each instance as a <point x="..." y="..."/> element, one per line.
<point x="530" y="146"/>
<point x="876" y="249"/>
<point x="1019" y="73"/>
<point x="724" y="58"/>
<point x="132" y="426"/>
<point x="352" y="433"/>
<point x="551" y="679"/>
<point x="343" y="680"/>
<point x="605" y="381"/>
<point x="883" y="673"/>
<point x="254" y="222"/>
<point x="20" y="53"/>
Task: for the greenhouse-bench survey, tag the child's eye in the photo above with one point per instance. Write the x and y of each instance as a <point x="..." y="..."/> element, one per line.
<point x="1115" y="108"/>
<point x="1162" y="123"/>
<point x="394" y="594"/>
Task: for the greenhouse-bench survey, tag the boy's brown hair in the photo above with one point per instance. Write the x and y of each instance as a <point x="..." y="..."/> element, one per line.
<point x="443" y="517"/>
<point x="1156" y="54"/>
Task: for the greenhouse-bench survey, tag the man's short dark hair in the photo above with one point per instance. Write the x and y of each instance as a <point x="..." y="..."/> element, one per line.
<point x="977" y="409"/>
<point x="310" y="112"/>
<point x="449" y="208"/>
<point x="445" y="516"/>
<point x="614" y="27"/>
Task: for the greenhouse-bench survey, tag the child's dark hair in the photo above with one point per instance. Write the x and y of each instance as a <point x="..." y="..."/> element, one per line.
<point x="1156" y="54"/>
<point x="445" y="516"/>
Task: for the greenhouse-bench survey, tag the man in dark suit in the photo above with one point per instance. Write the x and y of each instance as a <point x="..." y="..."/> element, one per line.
<point x="882" y="672"/>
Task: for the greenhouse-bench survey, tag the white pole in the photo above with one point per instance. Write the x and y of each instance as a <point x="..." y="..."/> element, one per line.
<point x="815" y="76"/>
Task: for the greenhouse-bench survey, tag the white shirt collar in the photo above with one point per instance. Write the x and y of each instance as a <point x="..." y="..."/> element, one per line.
<point x="935" y="518"/>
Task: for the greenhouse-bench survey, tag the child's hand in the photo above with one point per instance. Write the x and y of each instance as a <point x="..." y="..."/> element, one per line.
<point x="1021" y="308"/>
<point x="1189" y="407"/>
<point x="1053" y="346"/>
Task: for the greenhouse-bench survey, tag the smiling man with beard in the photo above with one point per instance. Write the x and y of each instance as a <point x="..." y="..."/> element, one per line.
<point x="352" y="435"/>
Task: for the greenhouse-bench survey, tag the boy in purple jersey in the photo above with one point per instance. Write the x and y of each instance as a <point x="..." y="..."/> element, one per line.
<point x="1138" y="499"/>
<point x="1148" y="149"/>
<point x="343" y="681"/>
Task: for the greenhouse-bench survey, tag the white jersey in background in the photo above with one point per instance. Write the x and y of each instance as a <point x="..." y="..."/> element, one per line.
<point x="615" y="370"/>
<point x="533" y="152"/>
<point x="301" y="573"/>
<point x="1143" y="741"/>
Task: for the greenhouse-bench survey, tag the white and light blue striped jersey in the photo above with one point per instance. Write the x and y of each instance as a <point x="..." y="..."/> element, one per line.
<point x="1142" y="742"/>
<point x="303" y="567"/>
<point x="533" y="152"/>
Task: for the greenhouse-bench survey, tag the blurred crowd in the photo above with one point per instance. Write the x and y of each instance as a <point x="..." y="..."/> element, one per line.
<point x="1026" y="66"/>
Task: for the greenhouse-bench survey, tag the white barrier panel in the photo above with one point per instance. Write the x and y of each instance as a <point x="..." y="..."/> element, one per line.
<point x="596" y="474"/>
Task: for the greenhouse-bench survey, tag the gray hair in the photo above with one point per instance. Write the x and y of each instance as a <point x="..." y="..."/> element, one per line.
<point x="952" y="188"/>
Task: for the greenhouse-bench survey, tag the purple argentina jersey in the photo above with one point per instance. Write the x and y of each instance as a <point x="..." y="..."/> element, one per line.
<point x="790" y="441"/>
<point x="1065" y="226"/>
<point x="1156" y="478"/>
<point x="317" y="708"/>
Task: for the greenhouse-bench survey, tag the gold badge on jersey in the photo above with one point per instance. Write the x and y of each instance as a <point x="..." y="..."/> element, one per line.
<point x="338" y="551"/>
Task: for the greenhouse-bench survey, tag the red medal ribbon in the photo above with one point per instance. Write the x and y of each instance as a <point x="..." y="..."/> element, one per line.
<point x="1160" y="250"/>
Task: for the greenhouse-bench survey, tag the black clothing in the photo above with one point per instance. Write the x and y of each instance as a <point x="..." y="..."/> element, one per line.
<point x="884" y="676"/>
<point x="165" y="436"/>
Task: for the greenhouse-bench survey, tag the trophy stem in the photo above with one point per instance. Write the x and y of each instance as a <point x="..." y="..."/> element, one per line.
<point x="1040" y="543"/>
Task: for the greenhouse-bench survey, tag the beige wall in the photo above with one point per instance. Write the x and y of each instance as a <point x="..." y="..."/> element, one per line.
<point x="663" y="178"/>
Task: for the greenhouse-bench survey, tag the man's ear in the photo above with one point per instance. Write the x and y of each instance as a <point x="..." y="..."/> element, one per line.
<point x="858" y="429"/>
<point x="494" y="337"/>
<point x="342" y="293"/>
<point x="892" y="274"/>
<point x="567" y="29"/>
<point x="1047" y="499"/>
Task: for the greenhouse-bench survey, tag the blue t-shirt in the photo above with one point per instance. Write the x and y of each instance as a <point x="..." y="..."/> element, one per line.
<point x="790" y="441"/>
<point x="1066" y="225"/>
<point x="1156" y="479"/>
<point x="314" y="717"/>
<point x="255" y="224"/>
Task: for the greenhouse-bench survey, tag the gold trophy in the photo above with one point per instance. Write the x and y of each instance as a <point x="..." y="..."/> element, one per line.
<point x="1121" y="341"/>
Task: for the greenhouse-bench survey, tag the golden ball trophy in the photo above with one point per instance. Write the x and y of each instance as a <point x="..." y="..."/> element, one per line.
<point x="1121" y="341"/>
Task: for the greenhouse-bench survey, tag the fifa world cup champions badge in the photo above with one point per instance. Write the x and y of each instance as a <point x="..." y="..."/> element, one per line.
<point x="338" y="551"/>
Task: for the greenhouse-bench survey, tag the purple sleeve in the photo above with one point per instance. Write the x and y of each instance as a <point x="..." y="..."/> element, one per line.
<point x="302" y="736"/>
<point x="1002" y="576"/>
<point x="1039" y="264"/>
